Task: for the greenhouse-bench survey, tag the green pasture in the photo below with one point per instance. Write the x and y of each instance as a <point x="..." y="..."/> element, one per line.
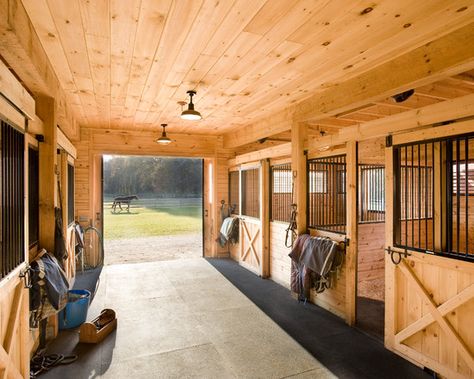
<point x="147" y="222"/>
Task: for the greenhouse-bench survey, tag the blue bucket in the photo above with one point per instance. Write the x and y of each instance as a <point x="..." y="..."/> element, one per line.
<point x="75" y="312"/>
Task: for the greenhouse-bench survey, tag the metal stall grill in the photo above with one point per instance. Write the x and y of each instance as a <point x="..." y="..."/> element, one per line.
<point x="460" y="189"/>
<point x="327" y="194"/>
<point x="251" y="192"/>
<point x="70" y="194"/>
<point x="12" y="189"/>
<point x="33" y="196"/>
<point x="371" y="193"/>
<point x="234" y="191"/>
<point x="281" y="192"/>
<point x="433" y="184"/>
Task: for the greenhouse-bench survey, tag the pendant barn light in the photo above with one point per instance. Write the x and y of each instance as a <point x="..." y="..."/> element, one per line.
<point x="164" y="139"/>
<point x="190" y="113"/>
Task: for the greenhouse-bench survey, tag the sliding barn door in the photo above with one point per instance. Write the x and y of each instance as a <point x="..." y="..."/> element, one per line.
<point x="429" y="300"/>
<point x="14" y="329"/>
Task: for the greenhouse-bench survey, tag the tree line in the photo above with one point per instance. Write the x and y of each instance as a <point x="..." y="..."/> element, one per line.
<point x="152" y="176"/>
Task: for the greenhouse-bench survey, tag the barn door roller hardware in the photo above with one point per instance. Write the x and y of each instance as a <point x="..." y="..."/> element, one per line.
<point x="396" y="256"/>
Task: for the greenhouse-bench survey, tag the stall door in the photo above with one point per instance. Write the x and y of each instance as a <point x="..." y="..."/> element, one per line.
<point x="250" y="244"/>
<point x="14" y="330"/>
<point x="252" y="183"/>
<point x="429" y="266"/>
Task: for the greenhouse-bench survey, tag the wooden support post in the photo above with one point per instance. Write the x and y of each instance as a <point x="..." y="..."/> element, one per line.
<point x="352" y="219"/>
<point x="208" y="208"/>
<point x="265" y="216"/>
<point x="64" y="187"/>
<point x="390" y="284"/>
<point x="47" y="110"/>
<point x="299" y="133"/>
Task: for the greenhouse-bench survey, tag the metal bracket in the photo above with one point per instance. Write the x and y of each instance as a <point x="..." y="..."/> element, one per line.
<point x="397" y="253"/>
<point x="25" y="274"/>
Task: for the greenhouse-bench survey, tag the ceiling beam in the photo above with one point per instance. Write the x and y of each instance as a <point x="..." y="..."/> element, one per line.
<point x="269" y="152"/>
<point x="449" y="55"/>
<point x="448" y="110"/>
<point x="21" y="48"/>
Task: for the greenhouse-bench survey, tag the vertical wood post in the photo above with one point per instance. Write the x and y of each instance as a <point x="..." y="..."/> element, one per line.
<point x="390" y="285"/>
<point x="352" y="225"/>
<point x="64" y="187"/>
<point x="298" y="167"/>
<point x="265" y="216"/>
<point x="46" y="108"/>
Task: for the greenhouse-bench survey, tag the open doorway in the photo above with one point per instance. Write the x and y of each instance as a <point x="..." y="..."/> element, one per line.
<point x="371" y="238"/>
<point x="152" y="208"/>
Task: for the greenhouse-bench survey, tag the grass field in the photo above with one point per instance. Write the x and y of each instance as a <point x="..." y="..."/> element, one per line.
<point x="148" y="222"/>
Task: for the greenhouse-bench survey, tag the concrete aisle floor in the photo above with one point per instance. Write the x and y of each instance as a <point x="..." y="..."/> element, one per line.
<point x="182" y="319"/>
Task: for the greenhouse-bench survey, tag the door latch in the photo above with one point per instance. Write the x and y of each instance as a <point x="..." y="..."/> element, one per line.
<point x="396" y="256"/>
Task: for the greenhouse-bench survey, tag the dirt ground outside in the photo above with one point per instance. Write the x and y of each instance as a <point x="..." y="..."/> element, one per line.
<point x="153" y="230"/>
<point x="153" y="249"/>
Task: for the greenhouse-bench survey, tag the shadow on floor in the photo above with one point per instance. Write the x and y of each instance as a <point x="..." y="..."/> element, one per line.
<point x="370" y="317"/>
<point x="98" y="356"/>
<point x="345" y="351"/>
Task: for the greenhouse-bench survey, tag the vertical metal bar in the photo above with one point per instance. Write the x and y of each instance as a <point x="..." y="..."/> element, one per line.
<point x="458" y="194"/>
<point x="466" y="192"/>
<point x="406" y="196"/>
<point x="441" y="205"/>
<point x="433" y="239"/>
<point x="426" y="196"/>
<point x="412" y="195"/>
<point x="419" y="197"/>
<point x="326" y="195"/>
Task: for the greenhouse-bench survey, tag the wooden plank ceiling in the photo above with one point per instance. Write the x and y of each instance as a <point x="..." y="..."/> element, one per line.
<point x="127" y="63"/>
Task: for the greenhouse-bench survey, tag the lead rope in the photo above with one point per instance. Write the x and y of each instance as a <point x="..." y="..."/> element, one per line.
<point x="291" y="230"/>
<point x="291" y="234"/>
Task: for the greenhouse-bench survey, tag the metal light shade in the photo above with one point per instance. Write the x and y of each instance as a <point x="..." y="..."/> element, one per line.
<point x="191" y="113"/>
<point x="164" y="139"/>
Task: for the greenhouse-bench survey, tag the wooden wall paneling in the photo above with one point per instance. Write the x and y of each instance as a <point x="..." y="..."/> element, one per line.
<point x="371" y="260"/>
<point x="265" y="216"/>
<point x="352" y="231"/>
<point x="332" y="299"/>
<point x="14" y="327"/>
<point x="298" y="166"/>
<point x="280" y="262"/>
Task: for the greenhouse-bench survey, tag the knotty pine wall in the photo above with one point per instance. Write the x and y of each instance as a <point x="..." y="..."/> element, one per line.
<point x="371" y="241"/>
<point x="280" y="262"/>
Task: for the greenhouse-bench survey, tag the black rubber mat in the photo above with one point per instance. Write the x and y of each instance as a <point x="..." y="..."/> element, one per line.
<point x="370" y="316"/>
<point x="345" y="351"/>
